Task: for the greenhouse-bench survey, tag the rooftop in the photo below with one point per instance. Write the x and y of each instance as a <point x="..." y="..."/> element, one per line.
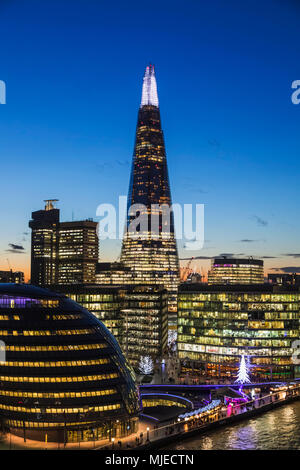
<point x="228" y="261"/>
<point x="259" y="288"/>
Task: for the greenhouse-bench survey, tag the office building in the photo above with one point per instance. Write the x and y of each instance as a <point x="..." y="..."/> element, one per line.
<point x="284" y="279"/>
<point x="114" y="273"/>
<point x="136" y="315"/>
<point x="77" y="252"/>
<point x="236" y="271"/>
<point x="145" y="322"/>
<point x="105" y="302"/>
<point x="15" y="277"/>
<point x="62" y="252"/>
<point x="219" y="323"/>
<point x="44" y="244"/>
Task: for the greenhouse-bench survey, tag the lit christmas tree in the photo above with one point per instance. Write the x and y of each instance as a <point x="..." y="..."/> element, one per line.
<point x="243" y="375"/>
<point x="146" y="365"/>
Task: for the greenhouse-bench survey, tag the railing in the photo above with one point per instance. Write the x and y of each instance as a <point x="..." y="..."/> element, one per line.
<point x="221" y="413"/>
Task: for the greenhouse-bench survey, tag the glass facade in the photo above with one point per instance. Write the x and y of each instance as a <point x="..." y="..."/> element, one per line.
<point x="217" y="324"/>
<point x="102" y="301"/>
<point x="137" y="316"/>
<point x="151" y="254"/>
<point x="77" y="252"/>
<point x="145" y="322"/>
<point x="64" y="374"/>
<point x="62" y="252"/>
<point x="236" y="271"/>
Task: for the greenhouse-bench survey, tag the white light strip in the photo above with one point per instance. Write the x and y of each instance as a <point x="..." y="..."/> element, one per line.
<point x="149" y="92"/>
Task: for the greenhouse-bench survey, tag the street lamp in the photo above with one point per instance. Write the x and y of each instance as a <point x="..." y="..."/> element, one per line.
<point x="113" y="442"/>
<point x="148" y="433"/>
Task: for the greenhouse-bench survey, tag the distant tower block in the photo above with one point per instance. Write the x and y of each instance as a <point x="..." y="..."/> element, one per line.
<point x="62" y="252"/>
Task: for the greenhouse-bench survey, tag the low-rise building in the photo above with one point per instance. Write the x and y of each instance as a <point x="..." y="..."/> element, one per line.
<point x="236" y="271"/>
<point x="15" y="277"/>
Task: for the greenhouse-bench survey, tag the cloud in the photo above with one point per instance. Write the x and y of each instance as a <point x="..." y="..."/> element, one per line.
<point x="15" y="248"/>
<point x="125" y="163"/>
<point x="287" y="269"/>
<point x="227" y="255"/>
<point x="103" y="166"/>
<point x="293" y="255"/>
<point x="214" y="143"/>
<point x="251" y="240"/>
<point x="267" y="257"/>
<point x="191" y="186"/>
<point x="100" y="167"/>
<point x="261" y="222"/>
<point x="195" y="257"/>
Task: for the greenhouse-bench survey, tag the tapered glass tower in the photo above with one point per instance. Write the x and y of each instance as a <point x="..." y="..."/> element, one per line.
<point x="149" y="244"/>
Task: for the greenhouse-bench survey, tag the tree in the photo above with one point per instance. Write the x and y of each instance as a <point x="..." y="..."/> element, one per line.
<point x="146" y="365"/>
<point x="243" y="374"/>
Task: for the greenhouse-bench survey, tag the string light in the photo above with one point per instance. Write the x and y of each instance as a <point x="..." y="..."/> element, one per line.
<point x="243" y="376"/>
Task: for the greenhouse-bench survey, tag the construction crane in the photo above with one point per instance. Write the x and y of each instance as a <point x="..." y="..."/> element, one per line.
<point x="185" y="271"/>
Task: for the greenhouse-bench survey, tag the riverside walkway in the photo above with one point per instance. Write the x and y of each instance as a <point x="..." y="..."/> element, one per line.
<point x="153" y="436"/>
<point x="221" y="414"/>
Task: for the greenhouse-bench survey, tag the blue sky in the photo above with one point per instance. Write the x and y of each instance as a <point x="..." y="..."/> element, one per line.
<point x="73" y="71"/>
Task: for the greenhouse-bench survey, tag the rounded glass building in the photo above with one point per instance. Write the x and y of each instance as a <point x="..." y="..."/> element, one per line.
<point x="64" y="377"/>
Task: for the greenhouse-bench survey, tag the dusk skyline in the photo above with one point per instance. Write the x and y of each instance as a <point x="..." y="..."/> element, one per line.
<point x="231" y="130"/>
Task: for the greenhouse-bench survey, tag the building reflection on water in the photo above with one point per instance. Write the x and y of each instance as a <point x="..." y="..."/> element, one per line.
<point x="277" y="429"/>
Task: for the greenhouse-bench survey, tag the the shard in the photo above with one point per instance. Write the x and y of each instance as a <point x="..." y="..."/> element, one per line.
<point x="150" y="252"/>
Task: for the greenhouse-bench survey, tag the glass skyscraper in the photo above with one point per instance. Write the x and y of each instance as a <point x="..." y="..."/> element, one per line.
<point x="62" y="253"/>
<point x="150" y="250"/>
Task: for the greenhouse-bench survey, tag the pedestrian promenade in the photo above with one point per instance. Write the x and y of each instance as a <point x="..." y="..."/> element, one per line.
<point x="219" y="415"/>
<point x="153" y="435"/>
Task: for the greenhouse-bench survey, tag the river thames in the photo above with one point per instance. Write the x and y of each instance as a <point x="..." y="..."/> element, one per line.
<point x="276" y="429"/>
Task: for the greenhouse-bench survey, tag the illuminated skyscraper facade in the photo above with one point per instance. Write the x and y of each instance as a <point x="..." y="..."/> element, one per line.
<point x="150" y="250"/>
<point x="62" y="252"/>
<point x="77" y="252"/>
<point x="144" y="313"/>
<point x="44" y="245"/>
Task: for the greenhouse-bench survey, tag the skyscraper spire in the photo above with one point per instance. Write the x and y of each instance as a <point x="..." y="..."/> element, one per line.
<point x="152" y="256"/>
<point x="149" y="93"/>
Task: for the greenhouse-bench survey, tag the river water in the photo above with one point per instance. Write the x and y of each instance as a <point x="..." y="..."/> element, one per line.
<point x="276" y="429"/>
